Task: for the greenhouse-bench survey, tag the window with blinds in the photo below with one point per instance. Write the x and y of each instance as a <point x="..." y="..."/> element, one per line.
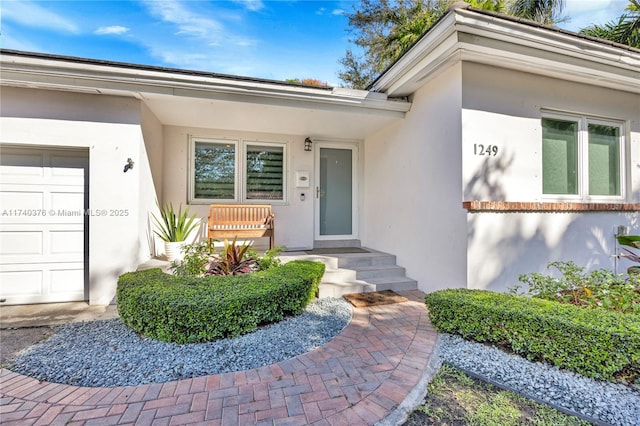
<point x="264" y="172"/>
<point x="238" y="171"/>
<point x="215" y="170"/>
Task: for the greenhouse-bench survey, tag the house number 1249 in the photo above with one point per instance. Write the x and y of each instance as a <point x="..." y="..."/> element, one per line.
<point x="479" y="149"/>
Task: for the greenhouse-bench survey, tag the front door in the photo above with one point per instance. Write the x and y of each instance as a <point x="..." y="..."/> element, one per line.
<point x="336" y="191"/>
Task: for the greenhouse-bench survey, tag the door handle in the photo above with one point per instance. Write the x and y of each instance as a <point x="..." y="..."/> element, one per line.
<point x="317" y="192"/>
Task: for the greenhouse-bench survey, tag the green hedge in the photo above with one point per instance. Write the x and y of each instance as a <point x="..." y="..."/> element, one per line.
<point x="592" y="342"/>
<point x="189" y="310"/>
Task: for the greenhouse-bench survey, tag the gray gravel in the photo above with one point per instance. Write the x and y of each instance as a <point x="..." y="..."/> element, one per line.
<point x="108" y="353"/>
<point x="609" y="403"/>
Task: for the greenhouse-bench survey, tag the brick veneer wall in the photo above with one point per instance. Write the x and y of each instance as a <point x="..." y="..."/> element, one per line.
<point x="532" y="207"/>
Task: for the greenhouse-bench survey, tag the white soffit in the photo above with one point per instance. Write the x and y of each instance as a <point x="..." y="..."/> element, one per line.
<point x="485" y="38"/>
<point x="266" y="118"/>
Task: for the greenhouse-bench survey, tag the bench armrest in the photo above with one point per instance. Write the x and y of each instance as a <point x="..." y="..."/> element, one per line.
<point x="269" y="219"/>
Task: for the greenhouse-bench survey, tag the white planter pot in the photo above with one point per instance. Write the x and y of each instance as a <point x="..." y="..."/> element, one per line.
<point x="173" y="250"/>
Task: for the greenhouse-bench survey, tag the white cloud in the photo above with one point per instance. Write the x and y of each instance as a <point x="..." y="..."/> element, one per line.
<point x="32" y="15"/>
<point x="253" y="5"/>
<point x="112" y="29"/>
<point x="223" y="63"/>
<point x="583" y="13"/>
<point x="200" y="40"/>
<point x="192" y="24"/>
<point x="180" y="58"/>
<point x="323" y="11"/>
<point x="188" y="23"/>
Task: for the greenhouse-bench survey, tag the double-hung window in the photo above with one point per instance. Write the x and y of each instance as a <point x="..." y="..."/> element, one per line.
<point x="237" y="171"/>
<point x="582" y="158"/>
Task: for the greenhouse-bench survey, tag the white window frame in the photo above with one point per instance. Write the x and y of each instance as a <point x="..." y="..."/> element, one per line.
<point x="240" y="187"/>
<point x="583" y="157"/>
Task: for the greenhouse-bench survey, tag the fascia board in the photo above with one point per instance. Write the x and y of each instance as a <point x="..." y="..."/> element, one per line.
<point x="546" y="40"/>
<point x="547" y="64"/>
<point x="49" y="74"/>
<point x="470" y="21"/>
<point x="440" y="38"/>
<point x="436" y="59"/>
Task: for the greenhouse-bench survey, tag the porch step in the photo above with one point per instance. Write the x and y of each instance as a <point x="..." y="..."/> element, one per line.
<point x="360" y="273"/>
<point x="336" y="243"/>
<point x="393" y="283"/>
<point x="378" y="271"/>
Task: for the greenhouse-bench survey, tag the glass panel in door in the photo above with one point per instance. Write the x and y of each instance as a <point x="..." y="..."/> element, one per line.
<point x="336" y="191"/>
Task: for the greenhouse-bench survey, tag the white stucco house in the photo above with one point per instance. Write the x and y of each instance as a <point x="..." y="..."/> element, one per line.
<point x="491" y="148"/>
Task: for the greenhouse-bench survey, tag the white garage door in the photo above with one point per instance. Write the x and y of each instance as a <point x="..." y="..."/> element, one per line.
<point x="43" y="199"/>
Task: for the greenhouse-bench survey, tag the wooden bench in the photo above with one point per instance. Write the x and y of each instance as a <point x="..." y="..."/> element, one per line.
<point x="242" y="221"/>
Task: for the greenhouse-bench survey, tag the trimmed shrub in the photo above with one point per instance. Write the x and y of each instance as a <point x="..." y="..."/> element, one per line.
<point x="189" y="310"/>
<point x="592" y="342"/>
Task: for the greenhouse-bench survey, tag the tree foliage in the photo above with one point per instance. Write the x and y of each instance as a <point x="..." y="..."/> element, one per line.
<point x="308" y="82"/>
<point x="546" y="12"/>
<point x="385" y="29"/>
<point x="382" y="29"/>
<point x="625" y="30"/>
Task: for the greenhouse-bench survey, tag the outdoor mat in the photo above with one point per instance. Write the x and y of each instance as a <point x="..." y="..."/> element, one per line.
<point x="337" y="250"/>
<point x="374" y="298"/>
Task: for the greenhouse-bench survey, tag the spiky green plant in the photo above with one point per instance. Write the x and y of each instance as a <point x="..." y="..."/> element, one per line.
<point x="174" y="226"/>
<point x="233" y="260"/>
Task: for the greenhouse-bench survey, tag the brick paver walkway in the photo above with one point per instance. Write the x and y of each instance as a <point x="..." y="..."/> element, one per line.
<point x="359" y="378"/>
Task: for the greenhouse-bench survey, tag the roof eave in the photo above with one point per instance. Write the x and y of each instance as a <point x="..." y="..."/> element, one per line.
<point x="491" y="39"/>
<point x="101" y="77"/>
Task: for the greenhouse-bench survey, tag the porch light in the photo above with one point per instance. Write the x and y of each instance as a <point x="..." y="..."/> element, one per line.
<point x="307" y="144"/>
<point x="128" y="165"/>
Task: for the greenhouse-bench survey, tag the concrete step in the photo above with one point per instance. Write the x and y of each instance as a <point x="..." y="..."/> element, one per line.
<point x="336" y="243"/>
<point x="393" y="283"/>
<point x="337" y="289"/>
<point x="344" y="260"/>
<point x="363" y="273"/>
<point x="351" y="260"/>
<point x="378" y="271"/>
<point x="339" y="275"/>
<point x="357" y="272"/>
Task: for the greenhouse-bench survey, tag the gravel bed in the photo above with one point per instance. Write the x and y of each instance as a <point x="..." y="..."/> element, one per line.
<point x="609" y="403"/>
<point x="108" y="353"/>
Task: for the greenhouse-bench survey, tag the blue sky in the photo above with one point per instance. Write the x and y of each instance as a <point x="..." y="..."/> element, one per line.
<point x="257" y="38"/>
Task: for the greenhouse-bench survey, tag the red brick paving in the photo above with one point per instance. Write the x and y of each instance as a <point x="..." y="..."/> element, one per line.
<point x="358" y="378"/>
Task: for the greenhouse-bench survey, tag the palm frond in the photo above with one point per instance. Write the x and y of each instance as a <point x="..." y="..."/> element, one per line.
<point x="624" y="30"/>
<point x="547" y="12"/>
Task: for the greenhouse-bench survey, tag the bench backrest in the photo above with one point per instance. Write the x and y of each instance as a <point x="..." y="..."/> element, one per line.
<point x="228" y="215"/>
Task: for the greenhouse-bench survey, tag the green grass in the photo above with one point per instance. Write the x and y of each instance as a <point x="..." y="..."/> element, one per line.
<point x="455" y="399"/>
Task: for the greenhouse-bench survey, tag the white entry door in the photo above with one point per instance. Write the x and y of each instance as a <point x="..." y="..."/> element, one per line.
<point x="43" y="197"/>
<point x="336" y="191"/>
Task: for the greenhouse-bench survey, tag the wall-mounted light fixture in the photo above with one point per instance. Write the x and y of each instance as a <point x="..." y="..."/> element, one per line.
<point x="307" y="144"/>
<point x="129" y="165"/>
<point x="622" y="230"/>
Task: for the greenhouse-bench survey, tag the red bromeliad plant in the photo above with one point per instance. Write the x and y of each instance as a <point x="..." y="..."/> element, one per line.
<point x="233" y="260"/>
